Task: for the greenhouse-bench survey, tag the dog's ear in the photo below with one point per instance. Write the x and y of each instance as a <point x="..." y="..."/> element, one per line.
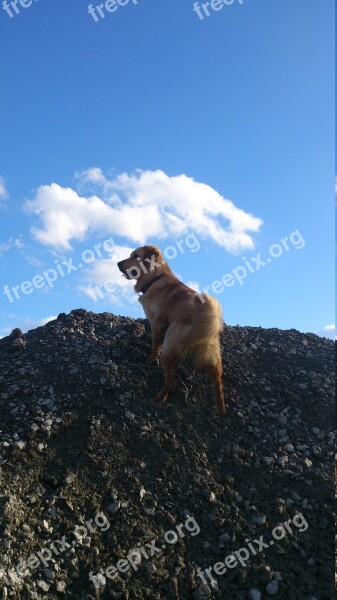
<point x="152" y="251"/>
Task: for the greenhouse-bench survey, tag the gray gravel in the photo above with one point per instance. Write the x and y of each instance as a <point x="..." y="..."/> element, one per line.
<point x="80" y="436"/>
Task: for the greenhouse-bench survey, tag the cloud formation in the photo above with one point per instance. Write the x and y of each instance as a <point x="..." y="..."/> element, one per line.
<point x="3" y="191"/>
<point x="103" y="279"/>
<point x="139" y="207"/>
<point x="10" y="244"/>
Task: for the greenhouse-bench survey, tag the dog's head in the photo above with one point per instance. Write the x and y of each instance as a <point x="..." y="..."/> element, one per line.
<point x="144" y="262"/>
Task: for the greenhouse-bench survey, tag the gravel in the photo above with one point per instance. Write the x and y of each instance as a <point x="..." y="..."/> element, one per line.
<point x="82" y="445"/>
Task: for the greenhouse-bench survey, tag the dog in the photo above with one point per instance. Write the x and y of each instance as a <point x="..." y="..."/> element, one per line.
<point x="185" y="325"/>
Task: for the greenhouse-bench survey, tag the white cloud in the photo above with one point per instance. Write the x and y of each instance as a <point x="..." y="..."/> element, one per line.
<point x="139" y="207"/>
<point x="10" y="244"/>
<point x="3" y="190"/>
<point x="42" y="322"/>
<point x="329" y="331"/>
<point x="34" y="262"/>
<point x="103" y="279"/>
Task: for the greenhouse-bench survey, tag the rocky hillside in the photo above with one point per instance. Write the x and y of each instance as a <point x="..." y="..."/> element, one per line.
<point x="103" y="494"/>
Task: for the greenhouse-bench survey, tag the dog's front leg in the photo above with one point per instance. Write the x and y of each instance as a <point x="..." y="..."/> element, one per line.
<point x="159" y="329"/>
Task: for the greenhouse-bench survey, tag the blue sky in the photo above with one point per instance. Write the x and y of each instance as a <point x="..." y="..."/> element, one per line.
<point x="154" y="126"/>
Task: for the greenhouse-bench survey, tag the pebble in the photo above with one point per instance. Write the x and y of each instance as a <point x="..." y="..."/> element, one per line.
<point x="203" y="592"/>
<point x="224" y="537"/>
<point x="114" y="507"/>
<point x="272" y="587"/>
<point x="254" y="594"/>
<point x="129" y="415"/>
<point x="43" y="585"/>
<point x="61" y="586"/>
<point x="20" y="444"/>
<point x="173" y="587"/>
<point x="259" y="519"/>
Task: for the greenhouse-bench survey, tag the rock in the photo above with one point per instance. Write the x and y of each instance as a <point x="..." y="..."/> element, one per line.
<point x="224" y="537"/>
<point x="254" y="594"/>
<point x="173" y="587"/>
<point x="295" y="496"/>
<point x="272" y="587"/>
<point x="17" y="344"/>
<point x="203" y="592"/>
<point x="129" y="415"/>
<point x="259" y="519"/>
<point x="16" y="333"/>
<point x="48" y="574"/>
<point x="43" y="585"/>
<point x="114" y="507"/>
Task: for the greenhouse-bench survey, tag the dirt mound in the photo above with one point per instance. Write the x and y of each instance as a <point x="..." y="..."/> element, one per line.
<point x="104" y="494"/>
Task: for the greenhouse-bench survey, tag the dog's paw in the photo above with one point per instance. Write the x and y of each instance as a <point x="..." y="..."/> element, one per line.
<point x="159" y="400"/>
<point x="152" y="360"/>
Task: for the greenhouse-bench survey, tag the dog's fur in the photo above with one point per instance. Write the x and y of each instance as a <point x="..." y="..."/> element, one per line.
<point x="186" y="325"/>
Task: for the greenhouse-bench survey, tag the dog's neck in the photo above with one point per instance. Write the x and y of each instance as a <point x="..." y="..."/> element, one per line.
<point x="145" y="282"/>
<point x="147" y="286"/>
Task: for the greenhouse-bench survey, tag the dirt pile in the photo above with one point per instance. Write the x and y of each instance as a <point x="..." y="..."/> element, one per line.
<point x="103" y="494"/>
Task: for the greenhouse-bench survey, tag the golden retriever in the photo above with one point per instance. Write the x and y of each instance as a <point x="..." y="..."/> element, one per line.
<point x="185" y="325"/>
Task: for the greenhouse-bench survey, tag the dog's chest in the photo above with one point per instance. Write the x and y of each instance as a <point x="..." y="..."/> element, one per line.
<point x="151" y="307"/>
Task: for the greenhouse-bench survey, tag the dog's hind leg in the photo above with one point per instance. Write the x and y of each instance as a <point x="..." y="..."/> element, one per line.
<point x="214" y="371"/>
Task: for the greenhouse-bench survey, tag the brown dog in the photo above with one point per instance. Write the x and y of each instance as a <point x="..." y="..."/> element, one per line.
<point x="185" y="324"/>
